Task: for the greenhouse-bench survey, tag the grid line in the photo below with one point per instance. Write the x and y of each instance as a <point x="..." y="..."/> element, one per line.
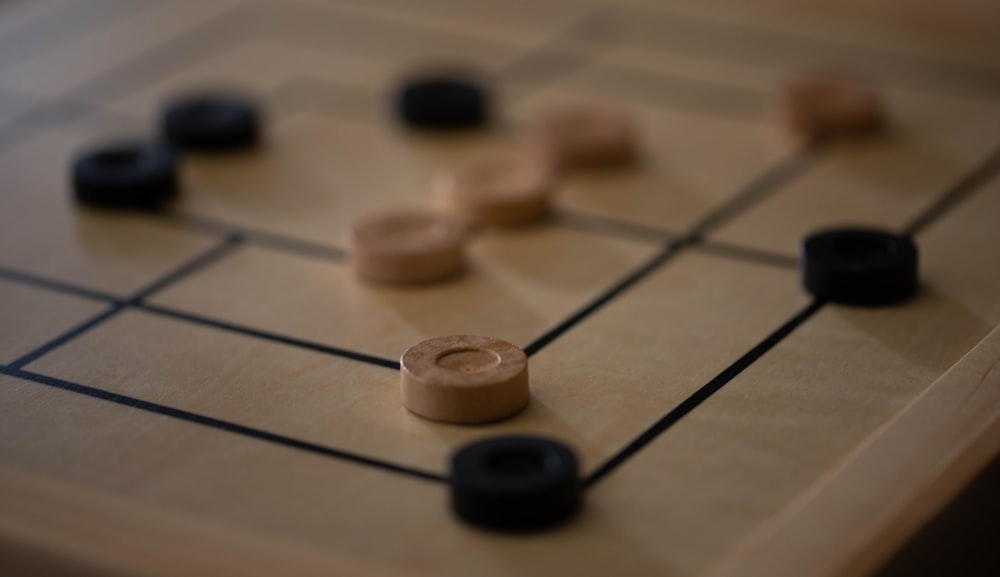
<point x="218" y="424"/>
<point x="672" y="417"/>
<point x="702" y="394"/>
<point x="981" y="174"/>
<point x="952" y="197"/>
<point x="756" y="190"/>
<point x="200" y="261"/>
<point x="270" y="336"/>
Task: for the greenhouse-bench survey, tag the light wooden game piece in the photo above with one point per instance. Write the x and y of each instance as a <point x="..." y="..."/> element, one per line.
<point x="464" y="379"/>
<point x="403" y="246"/>
<point x="826" y="105"/>
<point x="587" y="135"/>
<point x="499" y="189"/>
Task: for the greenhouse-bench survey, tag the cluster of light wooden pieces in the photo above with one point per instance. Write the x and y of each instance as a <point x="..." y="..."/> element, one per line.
<point x="467" y="379"/>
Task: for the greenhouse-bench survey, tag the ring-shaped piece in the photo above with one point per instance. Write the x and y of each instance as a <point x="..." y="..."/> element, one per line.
<point x="464" y="379"/>
<point x="859" y="266"/>
<point x="499" y="189"/>
<point x="210" y="123"/>
<point x="515" y="483"/>
<point x="125" y="174"/>
<point x="406" y="246"/>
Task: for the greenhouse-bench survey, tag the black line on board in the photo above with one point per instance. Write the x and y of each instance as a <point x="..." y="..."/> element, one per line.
<point x="68" y="335"/>
<point x="759" y="188"/>
<point x="968" y="184"/>
<point x="269" y="336"/>
<point x="621" y="228"/>
<point x="624" y="229"/>
<point x="550" y="61"/>
<point x="255" y="236"/>
<point x="218" y="424"/>
<point x="748" y="254"/>
<point x="228" y="245"/>
<point x="642" y="272"/>
<point x="703" y="393"/>
<point x="58" y="286"/>
<point x="185" y="269"/>
<point x="118" y="304"/>
<point x="960" y="191"/>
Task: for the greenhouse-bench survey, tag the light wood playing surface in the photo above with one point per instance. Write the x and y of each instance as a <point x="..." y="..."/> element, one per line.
<point x="209" y="391"/>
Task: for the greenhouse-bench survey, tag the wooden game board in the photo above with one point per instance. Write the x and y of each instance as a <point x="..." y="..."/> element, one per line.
<point x="208" y="391"/>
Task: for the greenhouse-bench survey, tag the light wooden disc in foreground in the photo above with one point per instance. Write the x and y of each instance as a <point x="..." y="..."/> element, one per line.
<point x="499" y="188"/>
<point x="827" y="104"/>
<point x="464" y="379"/>
<point x="587" y="135"/>
<point x="404" y="246"/>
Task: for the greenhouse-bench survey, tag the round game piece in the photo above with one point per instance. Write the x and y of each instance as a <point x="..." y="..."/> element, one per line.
<point x="587" y="135"/>
<point x="464" y="379"/>
<point x="442" y="101"/>
<point x="499" y="189"/>
<point x="830" y="105"/>
<point x="515" y="483"/>
<point x="406" y="246"/>
<point x="859" y="266"/>
<point x="125" y="174"/>
<point x="210" y="123"/>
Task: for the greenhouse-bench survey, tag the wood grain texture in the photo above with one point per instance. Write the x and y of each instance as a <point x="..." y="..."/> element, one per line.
<point x="53" y="528"/>
<point x="944" y="436"/>
<point x="233" y="405"/>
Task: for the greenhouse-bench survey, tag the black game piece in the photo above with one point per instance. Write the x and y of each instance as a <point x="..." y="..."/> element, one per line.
<point x="859" y="266"/>
<point x="126" y="174"/>
<point x="442" y="102"/>
<point x="210" y="123"/>
<point x="515" y="483"/>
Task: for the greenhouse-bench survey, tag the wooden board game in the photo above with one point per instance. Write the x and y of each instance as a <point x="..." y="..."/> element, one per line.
<point x="209" y="391"/>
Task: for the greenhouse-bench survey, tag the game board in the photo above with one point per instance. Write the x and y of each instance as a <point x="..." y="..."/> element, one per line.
<point x="208" y="390"/>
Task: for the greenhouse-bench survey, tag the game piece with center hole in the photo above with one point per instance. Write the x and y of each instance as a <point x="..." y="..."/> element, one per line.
<point x="499" y="188"/>
<point x="587" y="135"/>
<point x="443" y="100"/>
<point x="403" y="246"/>
<point x="464" y="379"/>
<point x="211" y="123"/>
<point x="827" y="105"/>
<point x="125" y="174"/>
<point x="515" y="483"/>
<point x="859" y="266"/>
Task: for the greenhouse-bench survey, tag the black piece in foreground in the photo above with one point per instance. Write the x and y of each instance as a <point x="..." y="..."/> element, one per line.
<point x="515" y="483"/>
<point x="442" y="102"/>
<point x="125" y="174"/>
<point x="859" y="266"/>
<point x="210" y="123"/>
